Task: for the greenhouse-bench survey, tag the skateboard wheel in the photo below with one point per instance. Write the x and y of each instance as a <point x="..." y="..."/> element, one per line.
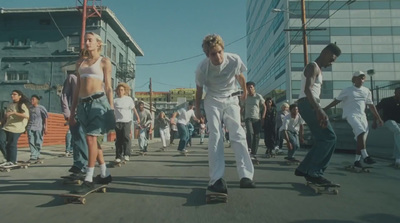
<point x="8" y="170"/>
<point x="104" y="190"/>
<point x="335" y="191"/>
<point x="82" y="200"/>
<point x="66" y="200"/>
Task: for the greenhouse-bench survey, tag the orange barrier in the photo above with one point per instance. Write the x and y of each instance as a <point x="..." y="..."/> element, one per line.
<point x="55" y="134"/>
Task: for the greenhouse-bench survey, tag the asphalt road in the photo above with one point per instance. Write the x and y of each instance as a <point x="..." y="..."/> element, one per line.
<point x="167" y="187"/>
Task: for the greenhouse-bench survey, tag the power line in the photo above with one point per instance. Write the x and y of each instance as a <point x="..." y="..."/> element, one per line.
<point x="188" y="58"/>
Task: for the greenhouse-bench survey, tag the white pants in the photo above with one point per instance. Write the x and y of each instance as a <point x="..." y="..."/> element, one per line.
<point x="228" y="111"/>
<point x="394" y="127"/>
<point x="164" y="134"/>
<point x="359" y="124"/>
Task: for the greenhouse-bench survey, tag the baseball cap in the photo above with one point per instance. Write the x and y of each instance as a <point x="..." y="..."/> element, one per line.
<point x="358" y="73"/>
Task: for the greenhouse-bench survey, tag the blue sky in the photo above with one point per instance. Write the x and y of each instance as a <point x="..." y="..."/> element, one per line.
<point x="169" y="30"/>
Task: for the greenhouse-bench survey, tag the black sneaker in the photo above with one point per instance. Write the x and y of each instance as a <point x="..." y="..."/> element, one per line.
<point x="75" y="169"/>
<point x="100" y="180"/>
<point x="317" y="180"/>
<point x="358" y="164"/>
<point x="247" y="183"/>
<point x="299" y="173"/>
<point x="219" y="186"/>
<point x="369" y="160"/>
<point x="85" y="188"/>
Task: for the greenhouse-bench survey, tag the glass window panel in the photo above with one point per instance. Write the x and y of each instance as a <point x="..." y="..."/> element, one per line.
<point x="11" y="76"/>
<point x="339" y="85"/>
<point x="358" y="5"/>
<point x="380" y="5"/>
<point x="397" y="57"/>
<point x="23" y="75"/>
<point x="383" y="57"/>
<point x="340" y="31"/>
<point x="344" y="57"/>
<point x="396" y="31"/>
<point x="381" y="31"/>
<point x="296" y="57"/>
<point x="360" y="31"/>
<point x="362" y="57"/>
<point x="395" y="4"/>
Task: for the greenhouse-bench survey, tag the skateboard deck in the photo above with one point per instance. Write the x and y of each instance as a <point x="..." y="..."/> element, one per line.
<point x="324" y="188"/>
<point x="38" y="161"/>
<point x="215" y="197"/>
<point x="19" y="165"/>
<point x="142" y="153"/>
<point x="118" y="164"/>
<point x="293" y="162"/>
<point x="355" y="169"/>
<point x="81" y="198"/>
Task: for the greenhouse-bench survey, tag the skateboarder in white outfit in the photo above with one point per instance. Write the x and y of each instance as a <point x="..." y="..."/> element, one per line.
<point x="218" y="74"/>
<point x="354" y="100"/>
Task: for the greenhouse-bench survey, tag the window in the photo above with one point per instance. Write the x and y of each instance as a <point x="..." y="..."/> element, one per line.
<point x="108" y="54"/>
<point x="340" y="31"/>
<point x="362" y="58"/>
<point x="327" y="90"/>
<point x="360" y="31"/>
<point x="381" y="31"/>
<point x="383" y="57"/>
<point x="16" y="76"/>
<point x="114" y="53"/>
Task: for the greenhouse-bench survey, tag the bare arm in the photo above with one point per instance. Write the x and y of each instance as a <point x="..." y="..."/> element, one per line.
<point x="264" y="111"/>
<point x="332" y="104"/>
<point x="377" y="118"/>
<point x="242" y="81"/>
<point x="107" y="81"/>
<point x="311" y="73"/>
<point x="301" y="133"/>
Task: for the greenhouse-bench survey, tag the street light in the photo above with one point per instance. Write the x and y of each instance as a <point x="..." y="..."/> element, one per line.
<point x="371" y="73"/>
<point x="282" y="10"/>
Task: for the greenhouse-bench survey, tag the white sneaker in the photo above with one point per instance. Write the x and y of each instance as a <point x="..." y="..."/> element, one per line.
<point x="4" y="163"/>
<point x="10" y="164"/>
<point x="118" y="160"/>
<point x="126" y="158"/>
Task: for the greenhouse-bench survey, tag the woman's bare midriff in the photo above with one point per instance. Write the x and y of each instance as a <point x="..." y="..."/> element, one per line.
<point x="90" y="86"/>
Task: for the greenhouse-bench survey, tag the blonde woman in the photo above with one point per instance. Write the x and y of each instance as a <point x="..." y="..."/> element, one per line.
<point x="93" y="107"/>
<point x="279" y="120"/>
<point x="163" y="124"/>
<point x="124" y="106"/>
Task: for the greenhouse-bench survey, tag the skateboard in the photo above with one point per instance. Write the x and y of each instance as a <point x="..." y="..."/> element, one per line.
<point x="324" y="188"/>
<point x="255" y="160"/>
<point x="118" y="164"/>
<point x="183" y="153"/>
<point x="19" y="165"/>
<point x="38" y="161"/>
<point x="81" y="198"/>
<point x="73" y="179"/>
<point x="293" y="162"/>
<point x="355" y="169"/>
<point x="142" y="153"/>
<point x="215" y="197"/>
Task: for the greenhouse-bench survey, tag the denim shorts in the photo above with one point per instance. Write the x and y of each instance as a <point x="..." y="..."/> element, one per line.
<point x="95" y="116"/>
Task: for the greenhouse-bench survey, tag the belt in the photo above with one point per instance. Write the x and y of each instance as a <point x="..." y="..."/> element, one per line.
<point x="305" y="99"/>
<point x="237" y="93"/>
<point x="92" y="97"/>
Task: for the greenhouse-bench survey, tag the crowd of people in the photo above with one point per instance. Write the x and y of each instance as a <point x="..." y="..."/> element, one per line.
<point x="91" y="110"/>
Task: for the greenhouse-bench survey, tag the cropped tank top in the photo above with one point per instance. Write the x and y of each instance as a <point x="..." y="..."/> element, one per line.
<point x="93" y="71"/>
<point x="315" y="88"/>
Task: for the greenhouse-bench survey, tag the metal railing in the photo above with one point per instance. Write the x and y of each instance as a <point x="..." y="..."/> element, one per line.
<point x="384" y="92"/>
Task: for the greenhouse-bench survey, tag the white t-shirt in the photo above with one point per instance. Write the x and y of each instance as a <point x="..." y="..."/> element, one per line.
<point x="220" y="81"/>
<point x="185" y="116"/>
<point x="354" y="100"/>
<point x="123" y="109"/>
<point x="292" y="124"/>
<point x="316" y="88"/>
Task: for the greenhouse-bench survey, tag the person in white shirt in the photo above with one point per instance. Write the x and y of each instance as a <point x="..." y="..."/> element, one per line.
<point x="354" y="100"/>
<point x="123" y="107"/>
<point x="218" y="74"/>
<point x="182" y="121"/>
<point x="292" y="131"/>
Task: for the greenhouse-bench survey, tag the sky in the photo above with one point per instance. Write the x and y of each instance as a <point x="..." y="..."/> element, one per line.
<point x="168" y="31"/>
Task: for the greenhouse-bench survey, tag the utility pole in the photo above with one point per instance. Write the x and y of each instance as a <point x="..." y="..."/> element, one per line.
<point x="87" y="12"/>
<point x="151" y="106"/>
<point x="303" y="22"/>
